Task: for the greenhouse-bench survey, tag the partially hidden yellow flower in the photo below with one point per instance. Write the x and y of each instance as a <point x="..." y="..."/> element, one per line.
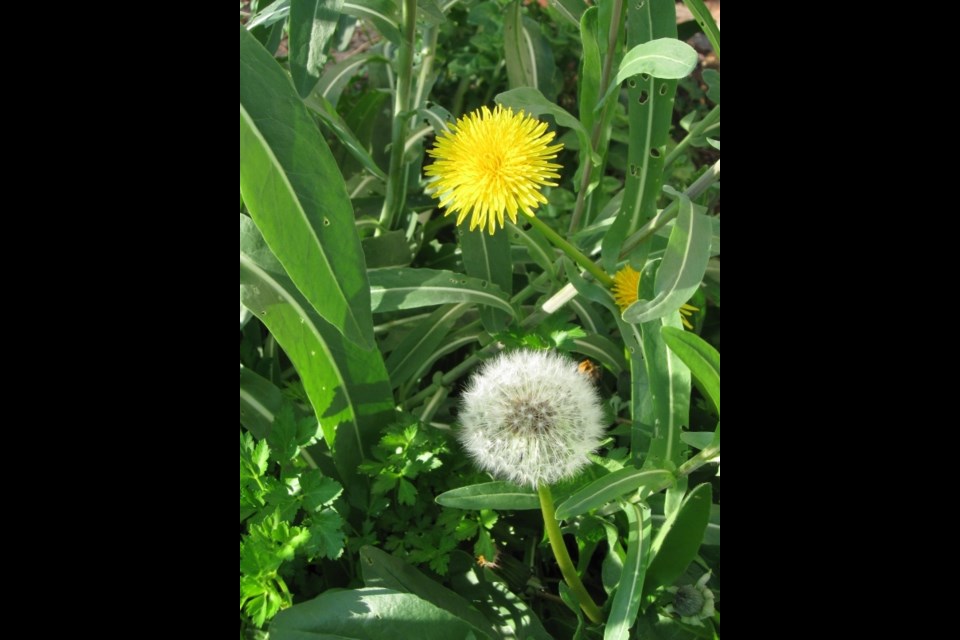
<point x="490" y="163"/>
<point x="626" y="284"/>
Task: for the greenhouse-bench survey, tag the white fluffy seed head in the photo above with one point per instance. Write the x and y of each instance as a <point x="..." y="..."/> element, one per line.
<point x="529" y="417"/>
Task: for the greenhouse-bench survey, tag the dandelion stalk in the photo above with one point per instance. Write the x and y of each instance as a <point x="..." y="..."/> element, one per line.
<point x="575" y="254"/>
<point x="570" y="574"/>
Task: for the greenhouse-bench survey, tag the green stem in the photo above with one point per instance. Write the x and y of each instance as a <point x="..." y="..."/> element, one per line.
<point x="563" y="557"/>
<point x="396" y="179"/>
<point x="695" y="133"/>
<point x="574" y="253"/>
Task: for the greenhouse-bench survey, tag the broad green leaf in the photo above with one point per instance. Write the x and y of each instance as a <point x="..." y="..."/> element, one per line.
<point x="312" y="22"/>
<point x="317" y="490"/>
<point x="383" y="570"/>
<point x="430" y="13"/>
<point x="590" y="67"/>
<point x="326" y="535"/>
<point x="392" y="290"/>
<point x="705" y="19"/>
<point x="665" y="58"/>
<point x="712" y="78"/>
<point x="260" y="400"/>
<point x="407" y="358"/>
<point x="650" y="117"/>
<point x="510" y="615"/>
<point x="678" y="539"/>
<point x="347" y="386"/>
<point x="490" y="495"/>
<point x="700" y="357"/>
<point x="332" y="120"/>
<point x="488" y="258"/>
<point x="681" y="271"/>
<point x="518" y="49"/>
<point x="296" y="195"/>
<point x="610" y="487"/>
<point x="372" y="614"/>
<point x="698" y="439"/>
<point x="626" y="600"/>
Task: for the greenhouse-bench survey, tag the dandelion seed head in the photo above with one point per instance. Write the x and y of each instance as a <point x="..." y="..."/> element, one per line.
<point x="529" y="417"/>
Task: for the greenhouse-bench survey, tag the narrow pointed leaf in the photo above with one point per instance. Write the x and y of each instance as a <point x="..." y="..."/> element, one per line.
<point x="490" y="495"/>
<point x="488" y="258"/>
<point x="626" y="600"/>
<point x="679" y="538"/>
<point x="681" y="272"/>
<point x="700" y="357"/>
<point x="610" y="487"/>
<point x="391" y="290"/>
<point x="260" y="400"/>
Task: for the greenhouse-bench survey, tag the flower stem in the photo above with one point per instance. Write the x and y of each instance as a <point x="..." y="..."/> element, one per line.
<point x="575" y="254"/>
<point x="563" y="558"/>
<point x="397" y="178"/>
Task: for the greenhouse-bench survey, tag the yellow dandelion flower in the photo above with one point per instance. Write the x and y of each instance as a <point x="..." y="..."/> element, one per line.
<point x="626" y="284"/>
<point x="491" y="163"/>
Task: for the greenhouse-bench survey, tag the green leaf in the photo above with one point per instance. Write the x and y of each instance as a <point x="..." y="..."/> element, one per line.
<point x="407" y="357"/>
<point x="295" y="193"/>
<point x="610" y="487"/>
<point x="372" y="614"/>
<point x="512" y="617"/>
<point x="570" y="599"/>
<point x="336" y="76"/>
<point x="382" y="13"/>
<point x="254" y="458"/>
<point x="326" y="534"/>
<point x="392" y="290"/>
<point x="283" y="435"/>
<point x="389" y="249"/>
<point x="712" y="78"/>
<point x="406" y="492"/>
<point x="626" y="599"/>
<point x="385" y="571"/>
<point x="312" y="22"/>
<point x="603" y="350"/>
<point x="665" y="58"/>
<point x="270" y="14"/>
<point x="679" y="538"/>
<point x="705" y="19"/>
<point x="572" y="10"/>
<point x="681" y="271"/>
<point x="650" y="117"/>
<point x="538" y="247"/>
<point x="332" y="120"/>
<point x="517" y="49"/>
<point x="318" y="490"/>
<point x="490" y="495"/>
<point x="347" y="386"/>
<point x="488" y="258"/>
<point x="590" y="67"/>
<point x="700" y="357"/>
<point x="260" y="400"/>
